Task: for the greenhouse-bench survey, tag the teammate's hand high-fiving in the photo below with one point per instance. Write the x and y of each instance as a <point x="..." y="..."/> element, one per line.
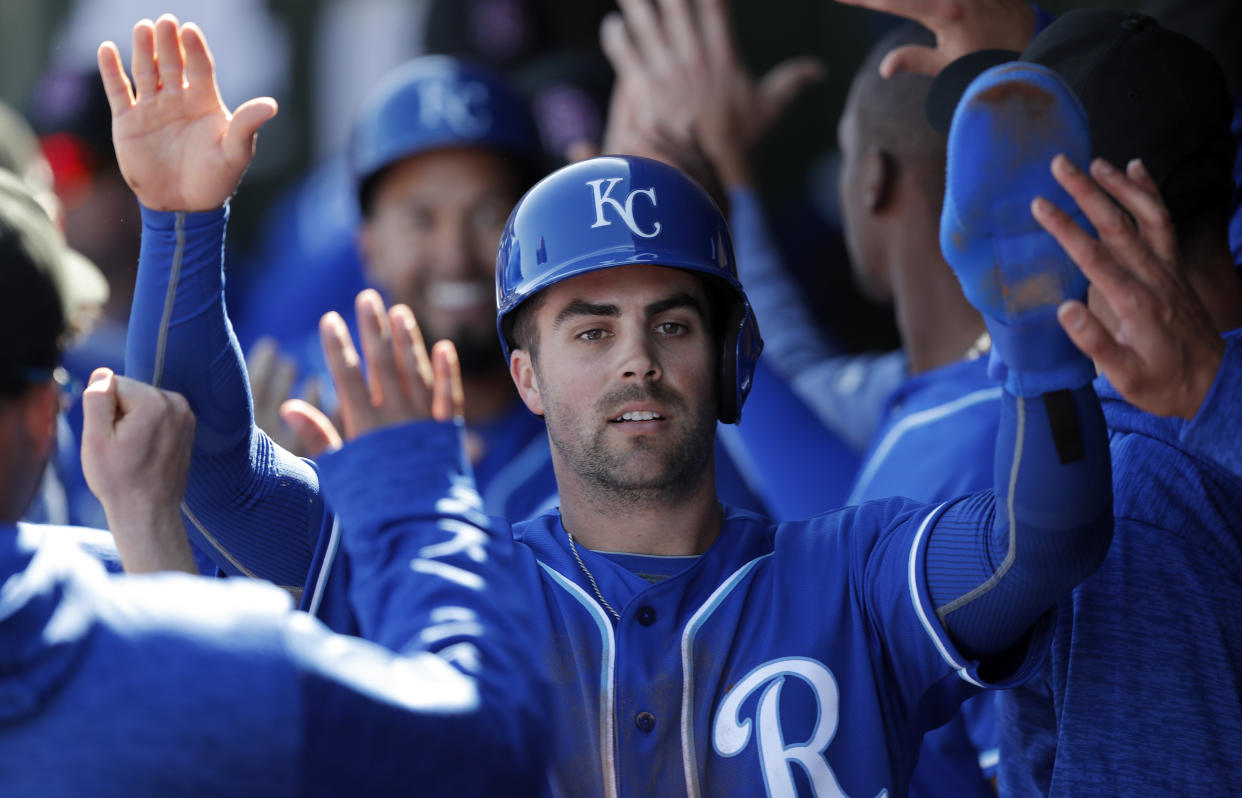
<point x="176" y="142"/>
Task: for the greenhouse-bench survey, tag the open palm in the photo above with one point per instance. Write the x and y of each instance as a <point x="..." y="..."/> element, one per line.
<point x="177" y="145"/>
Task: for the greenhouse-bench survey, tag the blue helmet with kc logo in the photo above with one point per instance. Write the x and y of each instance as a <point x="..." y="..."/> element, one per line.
<point x="438" y="102"/>
<point x="618" y="211"/>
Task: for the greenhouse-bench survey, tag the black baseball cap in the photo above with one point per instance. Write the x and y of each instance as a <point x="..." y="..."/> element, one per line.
<point x="1148" y="92"/>
<point x="37" y="276"/>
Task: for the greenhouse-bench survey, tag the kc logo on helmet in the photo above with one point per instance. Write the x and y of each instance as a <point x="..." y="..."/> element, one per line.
<point x="603" y="198"/>
<point x="461" y="107"/>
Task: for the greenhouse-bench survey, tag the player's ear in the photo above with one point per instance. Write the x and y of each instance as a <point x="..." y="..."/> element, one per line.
<point x="879" y="178"/>
<point x="522" y="370"/>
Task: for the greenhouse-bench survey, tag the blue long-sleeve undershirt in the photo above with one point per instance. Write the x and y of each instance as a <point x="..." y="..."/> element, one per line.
<point x="997" y="561"/>
<point x="245" y="493"/>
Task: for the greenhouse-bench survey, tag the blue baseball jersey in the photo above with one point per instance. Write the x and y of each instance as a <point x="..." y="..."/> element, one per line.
<point x="936" y="436"/>
<point x="1143" y="692"/>
<point x="801" y="658"/>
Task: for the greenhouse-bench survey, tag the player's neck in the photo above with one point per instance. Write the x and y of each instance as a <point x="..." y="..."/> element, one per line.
<point x="937" y="325"/>
<point x="641" y="523"/>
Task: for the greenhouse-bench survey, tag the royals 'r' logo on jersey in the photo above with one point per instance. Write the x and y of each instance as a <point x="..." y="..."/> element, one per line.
<point x="460" y="107"/>
<point x="732" y="733"/>
<point x="603" y="199"/>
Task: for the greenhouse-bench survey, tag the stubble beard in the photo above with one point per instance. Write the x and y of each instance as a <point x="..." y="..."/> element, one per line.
<point x="622" y="477"/>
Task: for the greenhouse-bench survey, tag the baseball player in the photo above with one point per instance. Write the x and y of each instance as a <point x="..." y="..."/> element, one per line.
<point x="176" y="685"/>
<point x="1072" y="732"/>
<point x="695" y="648"/>
<point x="925" y="430"/>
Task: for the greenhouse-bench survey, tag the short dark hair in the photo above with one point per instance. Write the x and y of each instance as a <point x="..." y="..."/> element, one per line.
<point x="889" y="111"/>
<point x="519" y="326"/>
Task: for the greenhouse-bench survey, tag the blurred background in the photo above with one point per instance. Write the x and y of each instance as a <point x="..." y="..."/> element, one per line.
<point x="318" y="57"/>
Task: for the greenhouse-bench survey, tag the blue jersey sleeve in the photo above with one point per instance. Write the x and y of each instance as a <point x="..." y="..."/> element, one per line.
<point x="253" y="506"/>
<point x="995" y="562"/>
<point x="1213" y="433"/>
<point x="431" y="577"/>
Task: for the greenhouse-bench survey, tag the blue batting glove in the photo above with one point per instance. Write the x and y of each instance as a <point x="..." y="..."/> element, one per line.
<point x="1009" y="124"/>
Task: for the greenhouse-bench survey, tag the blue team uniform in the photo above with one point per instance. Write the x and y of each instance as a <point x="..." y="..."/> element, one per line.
<point x="178" y="685"/>
<point x="1144" y="674"/>
<point x="788" y="659"/>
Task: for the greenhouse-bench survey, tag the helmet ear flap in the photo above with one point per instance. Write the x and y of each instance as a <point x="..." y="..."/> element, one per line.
<point x="730" y="410"/>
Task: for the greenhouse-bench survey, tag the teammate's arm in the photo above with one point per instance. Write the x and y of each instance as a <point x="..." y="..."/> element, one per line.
<point x="254" y="507"/>
<point x="996" y="562"/>
<point x="135" y="454"/>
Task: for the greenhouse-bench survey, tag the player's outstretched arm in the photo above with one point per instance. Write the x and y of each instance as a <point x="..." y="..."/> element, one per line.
<point x="402" y="450"/>
<point x="996" y="562"/>
<point x="1160" y="349"/>
<point x="960" y="26"/>
<point x="253" y="507"/>
<point x="429" y="573"/>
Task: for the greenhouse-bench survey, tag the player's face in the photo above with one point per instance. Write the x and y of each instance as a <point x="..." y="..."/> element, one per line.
<point x="624" y="376"/>
<point x="431" y="241"/>
<point x="855" y="216"/>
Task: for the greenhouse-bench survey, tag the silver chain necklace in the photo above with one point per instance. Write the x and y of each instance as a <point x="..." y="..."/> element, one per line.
<point x="590" y="578"/>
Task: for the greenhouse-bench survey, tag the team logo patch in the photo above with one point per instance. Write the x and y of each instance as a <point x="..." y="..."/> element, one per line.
<point x="460" y="107"/>
<point x="732" y="732"/>
<point x="604" y="199"/>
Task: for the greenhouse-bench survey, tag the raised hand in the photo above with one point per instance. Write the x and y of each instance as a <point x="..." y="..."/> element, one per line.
<point x="681" y="84"/>
<point x="177" y="145"/>
<point x="402" y="382"/>
<point x="136" y="442"/>
<point x="1159" y="347"/>
<point x="960" y="27"/>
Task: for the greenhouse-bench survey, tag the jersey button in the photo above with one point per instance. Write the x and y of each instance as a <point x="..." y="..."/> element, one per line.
<point x="646" y="616"/>
<point x="645" y="722"/>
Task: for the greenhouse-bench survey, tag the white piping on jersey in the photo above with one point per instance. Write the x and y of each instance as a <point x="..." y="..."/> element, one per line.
<point x="696" y="622"/>
<point x="329" y="559"/>
<point x="510" y="477"/>
<point x="913" y="421"/>
<point x="913" y="584"/>
<point x="1012" y="554"/>
<point x="607" y="697"/>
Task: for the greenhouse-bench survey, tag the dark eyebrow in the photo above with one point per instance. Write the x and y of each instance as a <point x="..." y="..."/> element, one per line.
<point x="580" y="307"/>
<point x="678" y="300"/>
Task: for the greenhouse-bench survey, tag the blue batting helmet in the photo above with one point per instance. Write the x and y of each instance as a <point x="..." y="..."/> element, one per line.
<point x="439" y="102"/>
<point x="618" y="211"/>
